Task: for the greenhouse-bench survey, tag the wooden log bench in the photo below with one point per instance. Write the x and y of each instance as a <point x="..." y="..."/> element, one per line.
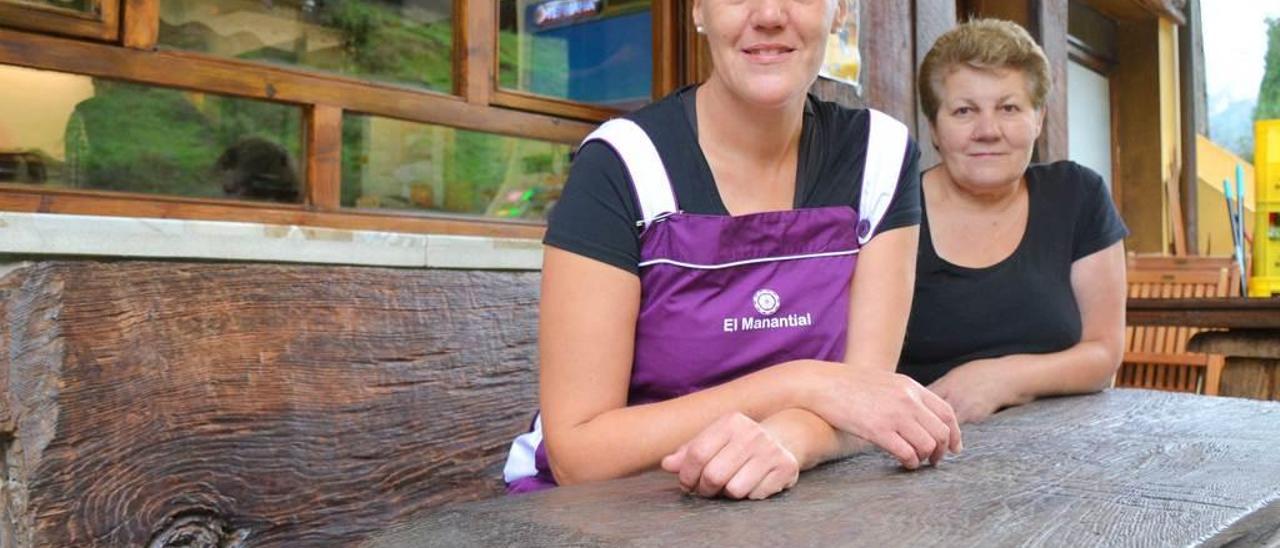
<point x="202" y="404"/>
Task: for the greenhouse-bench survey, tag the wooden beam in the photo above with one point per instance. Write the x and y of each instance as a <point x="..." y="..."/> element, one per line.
<point x="475" y="55"/>
<point x="324" y="157"/>
<point x="666" y="48"/>
<point x="205" y="73"/>
<point x="551" y="105"/>
<point x="1051" y="30"/>
<point x="21" y="198"/>
<point x="102" y="23"/>
<point x="1139" y="10"/>
<point x="203" y="404"/>
<point x="933" y="18"/>
<point x="885" y="41"/>
<point x="1139" y="159"/>
<point x="141" y="24"/>
<point x="1189" y="78"/>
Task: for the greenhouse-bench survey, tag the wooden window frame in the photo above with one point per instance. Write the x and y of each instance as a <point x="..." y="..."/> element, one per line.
<point x="665" y="17"/>
<point x="103" y="24"/>
<point x="475" y="104"/>
<point x="325" y="98"/>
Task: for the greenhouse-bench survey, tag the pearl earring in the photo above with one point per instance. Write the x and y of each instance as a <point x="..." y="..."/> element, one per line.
<point x="701" y="29"/>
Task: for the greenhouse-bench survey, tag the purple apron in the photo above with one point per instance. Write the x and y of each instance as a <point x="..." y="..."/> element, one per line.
<point x="722" y="297"/>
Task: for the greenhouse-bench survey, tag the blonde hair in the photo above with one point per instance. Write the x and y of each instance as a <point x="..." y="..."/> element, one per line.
<point x="983" y="44"/>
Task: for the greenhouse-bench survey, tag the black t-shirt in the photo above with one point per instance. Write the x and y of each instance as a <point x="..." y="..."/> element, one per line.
<point x="597" y="212"/>
<point x="1023" y="304"/>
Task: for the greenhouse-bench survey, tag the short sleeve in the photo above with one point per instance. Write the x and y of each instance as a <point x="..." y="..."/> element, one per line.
<point x="1097" y="225"/>
<point x="904" y="209"/>
<point x="596" y="214"/>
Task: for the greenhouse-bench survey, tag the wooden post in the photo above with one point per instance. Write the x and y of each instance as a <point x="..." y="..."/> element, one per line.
<point x="933" y="18"/>
<point x="1051" y="31"/>
<point x="324" y="157"/>
<point x="1190" y="79"/>
<point x="475" y="41"/>
<point x="141" y="24"/>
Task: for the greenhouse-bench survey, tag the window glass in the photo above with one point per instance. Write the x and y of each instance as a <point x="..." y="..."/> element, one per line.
<point x="71" y="131"/>
<point x="392" y="164"/>
<point x="590" y="51"/>
<point x="398" y="41"/>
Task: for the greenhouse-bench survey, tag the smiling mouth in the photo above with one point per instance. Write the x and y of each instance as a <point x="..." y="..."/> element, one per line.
<point x="768" y="52"/>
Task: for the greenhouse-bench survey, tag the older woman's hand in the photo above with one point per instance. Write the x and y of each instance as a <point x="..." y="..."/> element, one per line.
<point x="735" y="457"/>
<point x="975" y="390"/>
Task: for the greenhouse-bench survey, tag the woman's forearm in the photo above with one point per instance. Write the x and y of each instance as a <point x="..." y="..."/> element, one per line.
<point x="811" y="439"/>
<point x="632" y="439"/>
<point x="1086" y="367"/>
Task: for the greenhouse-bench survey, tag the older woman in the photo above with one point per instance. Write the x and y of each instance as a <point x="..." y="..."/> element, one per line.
<point x="1020" y="278"/>
<point x="699" y="306"/>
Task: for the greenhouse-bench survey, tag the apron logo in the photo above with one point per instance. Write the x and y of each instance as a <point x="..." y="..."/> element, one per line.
<point x="766" y="301"/>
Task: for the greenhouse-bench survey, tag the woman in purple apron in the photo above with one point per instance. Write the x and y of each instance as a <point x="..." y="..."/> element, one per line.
<point x="700" y="310"/>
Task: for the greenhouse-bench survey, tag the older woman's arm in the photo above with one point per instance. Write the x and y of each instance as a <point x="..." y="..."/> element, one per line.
<point x="981" y="387"/>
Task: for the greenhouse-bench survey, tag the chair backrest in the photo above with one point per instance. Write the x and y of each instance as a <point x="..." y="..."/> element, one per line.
<point x="1156" y="356"/>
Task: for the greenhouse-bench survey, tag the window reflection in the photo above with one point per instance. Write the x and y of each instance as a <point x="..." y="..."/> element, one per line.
<point x="391" y="164"/>
<point x="590" y="51"/>
<point x="400" y="41"/>
<point x="70" y="131"/>
<point x="83" y="6"/>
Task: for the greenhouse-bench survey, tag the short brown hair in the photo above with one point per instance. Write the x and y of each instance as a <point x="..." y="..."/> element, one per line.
<point x="983" y="44"/>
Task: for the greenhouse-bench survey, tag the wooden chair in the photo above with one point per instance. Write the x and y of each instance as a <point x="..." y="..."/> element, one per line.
<point x="1156" y="357"/>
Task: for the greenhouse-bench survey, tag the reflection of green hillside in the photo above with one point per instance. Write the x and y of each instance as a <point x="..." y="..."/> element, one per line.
<point x="373" y="40"/>
<point x="143" y="139"/>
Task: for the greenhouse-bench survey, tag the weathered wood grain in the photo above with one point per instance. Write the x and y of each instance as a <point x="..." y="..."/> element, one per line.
<point x="1121" y="468"/>
<point x="888" y="74"/>
<point x="178" y="403"/>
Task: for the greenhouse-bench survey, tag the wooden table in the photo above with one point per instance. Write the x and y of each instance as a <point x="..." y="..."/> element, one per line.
<point x="1120" y="468"/>
<point x="1251" y="341"/>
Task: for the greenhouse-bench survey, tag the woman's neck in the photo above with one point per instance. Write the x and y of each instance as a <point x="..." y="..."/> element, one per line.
<point x="752" y="135"/>
<point x="958" y="197"/>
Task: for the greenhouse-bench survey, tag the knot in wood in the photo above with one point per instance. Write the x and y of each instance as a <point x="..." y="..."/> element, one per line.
<point x="198" y="530"/>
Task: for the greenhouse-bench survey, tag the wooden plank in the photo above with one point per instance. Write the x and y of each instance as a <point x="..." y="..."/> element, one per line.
<point x="1135" y="10"/>
<point x="1140" y="161"/>
<point x="141" y="24"/>
<point x="1173" y="199"/>
<point x="888" y="53"/>
<point x="1166" y="358"/>
<point x="1229" y="312"/>
<point x="1170" y="469"/>
<point x="246" y="79"/>
<point x="551" y="105"/>
<point x="102" y="24"/>
<point x="475" y="59"/>
<point x="666" y="48"/>
<point x="324" y="157"/>
<point x="1051" y="30"/>
<point x="256" y="405"/>
<point x="160" y="207"/>
<point x="932" y="19"/>
<point x="1251" y="378"/>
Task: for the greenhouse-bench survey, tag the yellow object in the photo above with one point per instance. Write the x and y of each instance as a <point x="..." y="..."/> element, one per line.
<point x="1265" y="281"/>
<point x="1215" y="164"/>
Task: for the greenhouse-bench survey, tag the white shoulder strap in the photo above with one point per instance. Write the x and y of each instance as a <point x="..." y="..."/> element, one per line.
<point x="648" y="175"/>
<point x="886" y="152"/>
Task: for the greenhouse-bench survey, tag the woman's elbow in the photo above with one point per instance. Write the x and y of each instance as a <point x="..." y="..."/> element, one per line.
<point x="570" y="467"/>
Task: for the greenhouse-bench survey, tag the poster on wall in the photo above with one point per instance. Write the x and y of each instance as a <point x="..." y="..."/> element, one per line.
<point x="843" y="61"/>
